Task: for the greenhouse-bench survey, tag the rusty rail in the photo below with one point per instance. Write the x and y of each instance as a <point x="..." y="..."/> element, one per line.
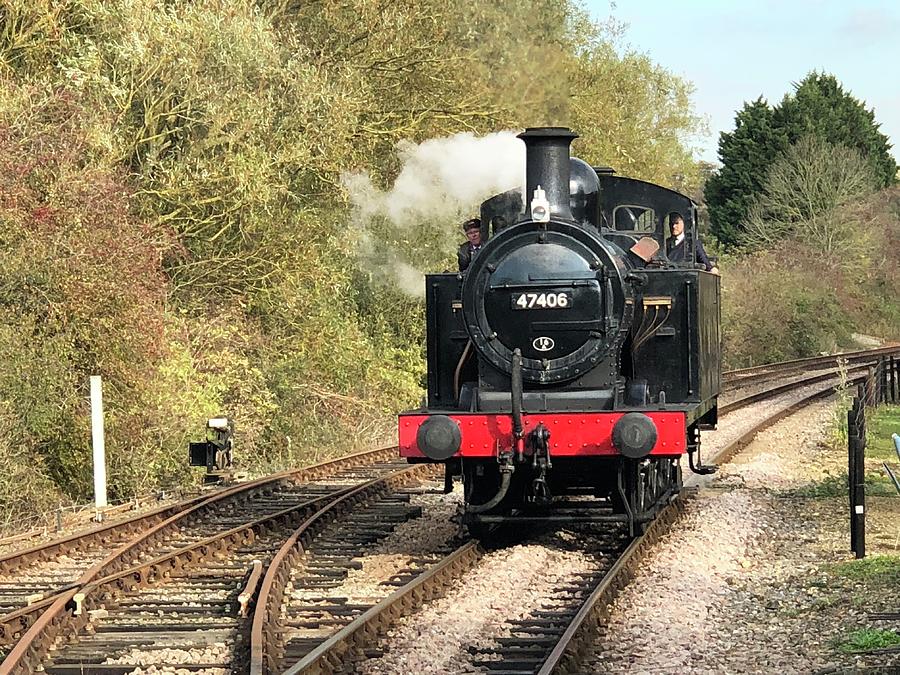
<point x="39" y="623"/>
<point x="333" y="652"/>
<point x="567" y="654"/>
<point x="249" y="591"/>
<point x="431" y="584"/>
<point x="782" y="388"/>
<point x="54" y="612"/>
<point x="745" y="375"/>
<point x="12" y="561"/>
<point x="268" y="605"/>
<point x="27" y="654"/>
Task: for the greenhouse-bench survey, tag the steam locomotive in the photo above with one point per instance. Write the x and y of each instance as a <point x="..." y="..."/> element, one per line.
<point x="572" y="357"/>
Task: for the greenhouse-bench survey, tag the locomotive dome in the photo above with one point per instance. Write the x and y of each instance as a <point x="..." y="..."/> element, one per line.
<point x="552" y="288"/>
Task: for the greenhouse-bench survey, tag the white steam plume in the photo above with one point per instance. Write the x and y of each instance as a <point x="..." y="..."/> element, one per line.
<point x="441" y="177"/>
<point x="442" y="180"/>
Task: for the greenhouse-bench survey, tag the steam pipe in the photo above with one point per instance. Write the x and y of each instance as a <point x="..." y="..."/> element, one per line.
<point x="547" y="166"/>
<point x="506" y="466"/>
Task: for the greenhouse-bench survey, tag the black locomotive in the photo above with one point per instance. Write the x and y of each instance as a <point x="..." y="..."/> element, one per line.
<point x="572" y="357"/>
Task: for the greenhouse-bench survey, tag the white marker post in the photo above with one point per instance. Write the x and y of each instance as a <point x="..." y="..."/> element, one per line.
<point x="99" y="443"/>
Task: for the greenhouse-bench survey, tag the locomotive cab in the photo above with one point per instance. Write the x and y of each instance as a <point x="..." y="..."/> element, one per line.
<point x="572" y="357"/>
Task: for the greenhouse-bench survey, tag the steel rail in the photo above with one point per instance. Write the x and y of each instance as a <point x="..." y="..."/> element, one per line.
<point x="73" y="604"/>
<point x="753" y="373"/>
<point x="429" y="585"/>
<point x="71" y="610"/>
<point x="12" y="561"/>
<point x="266" y="612"/>
<point x="67" y="597"/>
<point x="21" y="622"/>
<point x="331" y="654"/>
<point x="566" y="656"/>
<point x="744" y="401"/>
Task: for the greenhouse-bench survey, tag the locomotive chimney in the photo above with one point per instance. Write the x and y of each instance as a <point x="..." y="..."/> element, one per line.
<point x="547" y="167"/>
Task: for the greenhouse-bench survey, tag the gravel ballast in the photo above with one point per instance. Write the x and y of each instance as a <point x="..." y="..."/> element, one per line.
<point x="505" y="585"/>
<point x="741" y="583"/>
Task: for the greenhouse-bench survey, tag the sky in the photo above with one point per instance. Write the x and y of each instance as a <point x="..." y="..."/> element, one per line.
<point x="734" y="52"/>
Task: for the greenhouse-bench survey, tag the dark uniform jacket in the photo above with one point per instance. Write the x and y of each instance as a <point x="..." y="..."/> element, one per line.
<point x="464" y="255"/>
<point x="676" y="252"/>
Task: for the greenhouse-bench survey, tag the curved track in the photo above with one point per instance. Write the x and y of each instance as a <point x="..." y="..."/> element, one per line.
<point x="39" y="594"/>
<point x="194" y="572"/>
<point x="551" y="637"/>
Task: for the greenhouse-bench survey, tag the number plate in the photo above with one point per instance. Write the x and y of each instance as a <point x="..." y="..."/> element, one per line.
<point x="542" y="300"/>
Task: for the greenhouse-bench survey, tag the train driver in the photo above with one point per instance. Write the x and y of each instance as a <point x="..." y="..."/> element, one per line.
<point x="471" y="246"/>
<point x="675" y="244"/>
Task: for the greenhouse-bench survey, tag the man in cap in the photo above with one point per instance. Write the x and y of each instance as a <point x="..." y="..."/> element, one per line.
<point x="469" y="248"/>
<point x="675" y="245"/>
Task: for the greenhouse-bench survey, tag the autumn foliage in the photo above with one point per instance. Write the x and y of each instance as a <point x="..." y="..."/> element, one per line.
<point x="173" y="217"/>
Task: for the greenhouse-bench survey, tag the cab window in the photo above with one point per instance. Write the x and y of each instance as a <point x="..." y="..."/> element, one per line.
<point x="634" y="219"/>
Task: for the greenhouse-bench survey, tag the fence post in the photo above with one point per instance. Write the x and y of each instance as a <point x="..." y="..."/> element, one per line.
<point x="851" y="469"/>
<point x="889" y="378"/>
<point x="856" y="475"/>
<point x="870" y="388"/>
<point x="895" y="366"/>
<point x="859" y="509"/>
<point x="895" y="378"/>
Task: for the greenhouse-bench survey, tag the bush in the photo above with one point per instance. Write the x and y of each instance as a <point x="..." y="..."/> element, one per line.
<point x="174" y="220"/>
<point x="781" y="305"/>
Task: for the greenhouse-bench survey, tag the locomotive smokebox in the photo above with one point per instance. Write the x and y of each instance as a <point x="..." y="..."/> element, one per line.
<point x="547" y="166"/>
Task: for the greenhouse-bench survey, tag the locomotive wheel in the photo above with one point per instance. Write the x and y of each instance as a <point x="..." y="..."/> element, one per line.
<point x="646" y="484"/>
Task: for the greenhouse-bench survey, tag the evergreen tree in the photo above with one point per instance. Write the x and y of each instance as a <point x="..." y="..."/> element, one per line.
<point x="745" y="154"/>
<point x="818" y="107"/>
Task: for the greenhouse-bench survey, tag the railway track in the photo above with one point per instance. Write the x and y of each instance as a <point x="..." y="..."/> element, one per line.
<point x="199" y="611"/>
<point x="781" y="369"/>
<point x="551" y="637"/>
<point x="30" y="575"/>
<point x="120" y="599"/>
<point x="42" y="583"/>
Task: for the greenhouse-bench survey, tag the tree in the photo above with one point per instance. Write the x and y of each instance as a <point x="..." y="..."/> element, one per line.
<point x="196" y="247"/>
<point x="746" y="154"/>
<point x="819" y="107"/>
<point x="802" y="196"/>
<point x="633" y="115"/>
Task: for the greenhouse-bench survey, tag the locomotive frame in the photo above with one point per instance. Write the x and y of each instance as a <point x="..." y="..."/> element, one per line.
<point x="572" y="357"/>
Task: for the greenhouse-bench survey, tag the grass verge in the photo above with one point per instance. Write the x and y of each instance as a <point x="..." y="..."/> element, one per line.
<point x="877" y="570"/>
<point x="868" y="639"/>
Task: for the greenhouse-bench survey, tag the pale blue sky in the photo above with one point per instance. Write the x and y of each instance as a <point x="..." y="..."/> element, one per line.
<point x="735" y="51"/>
